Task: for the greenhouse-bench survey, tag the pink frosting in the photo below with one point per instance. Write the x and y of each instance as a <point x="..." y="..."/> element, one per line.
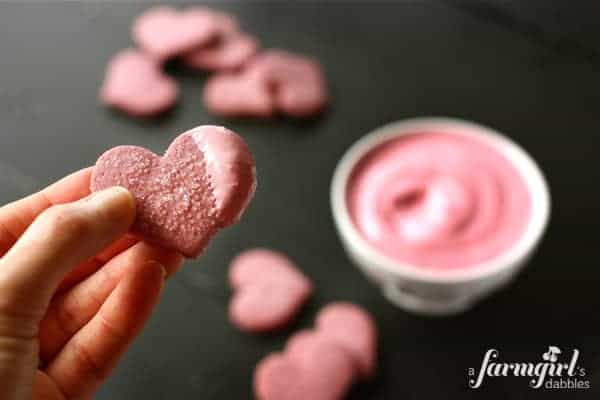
<point x="438" y="200"/>
<point x="230" y="168"/>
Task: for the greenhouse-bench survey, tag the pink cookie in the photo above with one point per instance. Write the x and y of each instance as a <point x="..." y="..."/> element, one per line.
<point x="135" y="84"/>
<point x="269" y="290"/>
<point x="204" y="182"/>
<point x="299" y="344"/>
<point x="233" y="95"/>
<point x="300" y="87"/>
<point x="228" y="53"/>
<point x="313" y="369"/>
<point x="165" y="32"/>
<point x="295" y="85"/>
<point x="354" y="329"/>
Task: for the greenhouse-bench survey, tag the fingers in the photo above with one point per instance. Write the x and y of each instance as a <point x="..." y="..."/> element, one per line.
<point x="90" y="266"/>
<point x="45" y="389"/>
<point x="87" y="359"/>
<point x="58" y="240"/>
<point x="18" y="361"/>
<point x="16" y="217"/>
<point x="74" y="308"/>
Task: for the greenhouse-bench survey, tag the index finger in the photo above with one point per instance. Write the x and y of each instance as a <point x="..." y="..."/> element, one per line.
<point x="16" y="217"/>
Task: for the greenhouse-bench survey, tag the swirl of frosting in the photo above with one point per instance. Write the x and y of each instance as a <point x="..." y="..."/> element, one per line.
<point x="438" y="200"/>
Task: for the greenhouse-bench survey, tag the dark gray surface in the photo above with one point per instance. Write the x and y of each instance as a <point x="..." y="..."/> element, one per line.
<point x="529" y="69"/>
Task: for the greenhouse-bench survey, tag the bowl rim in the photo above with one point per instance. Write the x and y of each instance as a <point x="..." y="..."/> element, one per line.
<point x="526" y="166"/>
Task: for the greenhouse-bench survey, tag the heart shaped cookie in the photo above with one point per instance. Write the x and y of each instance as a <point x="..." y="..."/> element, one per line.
<point x="165" y="32"/>
<point x="268" y="290"/>
<point x="310" y="369"/>
<point x="226" y="53"/>
<point x="204" y="182"/>
<point x="336" y="320"/>
<point x="297" y="82"/>
<point x="294" y="84"/>
<point x="135" y="84"/>
<point x="232" y="95"/>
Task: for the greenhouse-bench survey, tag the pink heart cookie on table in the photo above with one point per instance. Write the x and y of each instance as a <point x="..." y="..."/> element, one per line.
<point x="311" y="368"/>
<point x="204" y="182"/>
<point x="294" y="85"/>
<point x="225" y="23"/>
<point x="226" y="53"/>
<point x="337" y="320"/>
<point x="135" y="84"/>
<point x="232" y="95"/>
<point x="297" y="82"/>
<point x="165" y="32"/>
<point x="269" y="290"/>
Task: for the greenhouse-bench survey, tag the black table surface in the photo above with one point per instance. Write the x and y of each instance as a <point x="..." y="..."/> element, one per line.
<point x="530" y="69"/>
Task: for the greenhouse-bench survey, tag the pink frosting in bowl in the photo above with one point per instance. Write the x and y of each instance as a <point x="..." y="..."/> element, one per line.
<point x="438" y="200"/>
<point x="438" y="212"/>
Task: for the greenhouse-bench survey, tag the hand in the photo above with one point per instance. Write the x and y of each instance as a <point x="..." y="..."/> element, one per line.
<point x="75" y="289"/>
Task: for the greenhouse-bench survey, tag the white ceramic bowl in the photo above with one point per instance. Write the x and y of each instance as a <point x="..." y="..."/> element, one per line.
<point x="424" y="290"/>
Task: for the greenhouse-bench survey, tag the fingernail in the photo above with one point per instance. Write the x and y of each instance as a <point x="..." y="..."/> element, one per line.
<point x="115" y="202"/>
<point x="115" y="193"/>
